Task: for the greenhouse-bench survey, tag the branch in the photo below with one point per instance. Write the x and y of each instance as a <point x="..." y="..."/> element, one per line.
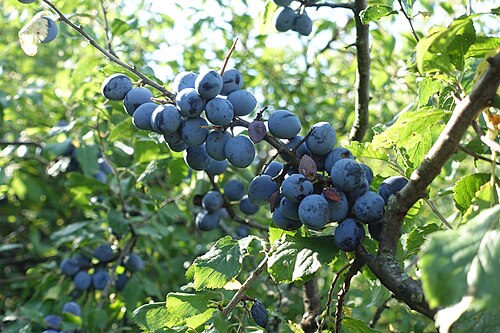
<point x="356" y="266"/>
<point x="132" y="69"/>
<point x="476" y="155"/>
<point x="107" y="30"/>
<point x="330" y="294"/>
<point x="20" y="143"/>
<point x="329" y="4"/>
<point x="123" y="253"/>
<point x="385" y="264"/>
<point x="362" y="100"/>
<point x="378" y="313"/>
<point x="240" y="294"/>
<point x="409" y="20"/>
<point x="312" y="306"/>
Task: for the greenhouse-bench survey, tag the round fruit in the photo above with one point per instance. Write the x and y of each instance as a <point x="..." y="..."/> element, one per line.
<point x="239" y="151"/>
<point x="284" y="124"/>
<point x="314" y="211"/>
<point x="348" y="235"/>
<point x="208" y="84"/>
<point x="321" y="139"/>
<point x="260" y="189"/>
<point x="135" y="98"/>
<point x="243" y="102"/>
<point x="116" y="86"/>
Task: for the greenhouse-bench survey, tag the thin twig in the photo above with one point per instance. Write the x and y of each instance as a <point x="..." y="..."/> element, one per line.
<point x="330" y="5"/>
<point x="123" y="253"/>
<point x="330" y="294"/>
<point x="378" y="312"/>
<point x="115" y="59"/>
<point x="356" y="266"/>
<point x="476" y="155"/>
<point x="240" y="294"/>
<point x="228" y="56"/>
<point x="409" y="20"/>
<point x="107" y="30"/>
<point x="20" y="143"/>
<point x="438" y="213"/>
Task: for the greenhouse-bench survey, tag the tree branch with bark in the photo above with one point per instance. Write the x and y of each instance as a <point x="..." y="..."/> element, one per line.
<point x="385" y="264"/>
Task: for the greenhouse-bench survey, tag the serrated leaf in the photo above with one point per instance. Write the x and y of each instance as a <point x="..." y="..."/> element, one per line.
<point x="146" y="151"/>
<point x="457" y="49"/>
<point x="191" y="310"/>
<point x="481" y="46"/>
<point x="418" y="235"/>
<point x="151" y="317"/>
<point x="481" y="201"/>
<point x="218" y="266"/>
<point x="464" y="262"/>
<point x="426" y="88"/>
<point x="250" y="245"/>
<point x="414" y="131"/>
<point x="466" y="188"/>
<point x="351" y="325"/>
<point x="478" y="321"/>
<point x="439" y="40"/>
<point x="296" y="259"/>
<point x="367" y="150"/>
<point x="375" y="12"/>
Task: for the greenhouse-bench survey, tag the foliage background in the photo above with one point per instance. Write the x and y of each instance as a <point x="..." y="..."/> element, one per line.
<point x="53" y="100"/>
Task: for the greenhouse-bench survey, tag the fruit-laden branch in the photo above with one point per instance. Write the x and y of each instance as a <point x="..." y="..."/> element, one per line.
<point x="360" y="125"/>
<point x="384" y="264"/>
<point x="113" y="58"/>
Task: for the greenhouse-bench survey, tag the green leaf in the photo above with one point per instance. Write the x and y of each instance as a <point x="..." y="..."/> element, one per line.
<point x="478" y="321"/>
<point x="119" y="27"/>
<point x="481" y="46"/>
<point x="218" y="266"/>
<point x="68" y="230"/>
<point x="87" y="159"/>
<point x="457" y="49"/>
<point x="466" y="188"/>
<point x="375" y="12"/>
<point x="414" y="131"/>
<point x="146" y="151"/>
<point x="191" y="310"/>
<point x="483" y="200"/>
<point x="296" y="259"/>
<point x="438" y="41"/>
<point x="351" y="325"/>
<point x="152" y="316"/>
<point x="426" y="88"/>
<point x="367" y="150"/>
<point x="418" y="235"/>
<point x="463" y="262"/>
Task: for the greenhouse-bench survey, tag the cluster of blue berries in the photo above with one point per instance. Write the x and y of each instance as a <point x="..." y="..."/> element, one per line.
<point x="337" y="189"/>
<point x="203" y="101"/>
<point x="54" y="322"/>
<point x="87" y="275"/>
<point x="290" y="19"/>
